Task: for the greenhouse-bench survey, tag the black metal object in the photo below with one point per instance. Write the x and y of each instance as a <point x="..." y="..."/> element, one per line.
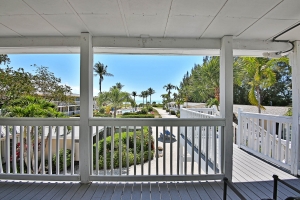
<point x="276" y="179"/>
<point x="232" y="187"/>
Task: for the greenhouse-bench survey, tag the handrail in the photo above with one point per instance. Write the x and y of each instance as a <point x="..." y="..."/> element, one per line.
<point x="276" y="179"/>
<point x="227" y="182"/>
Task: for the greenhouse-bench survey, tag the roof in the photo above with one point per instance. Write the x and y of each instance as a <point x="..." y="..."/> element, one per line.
<point x="254" y="20"/>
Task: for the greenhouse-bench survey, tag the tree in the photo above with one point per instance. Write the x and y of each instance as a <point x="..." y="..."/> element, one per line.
<point x="150" y="92"/>
<point x="118" y="86"/>
<point x="32" y="106"/>
<point x="168" y="88"/>
<point x="115" y="98"/>
<point x="134" y="94"/>
<point x="257" y="72"/>
<point x="144" y="95"/>
<point x="49" y="86"/>
<point x="101" y="71"/>
<point x="14" y="84"/>
<point x="4" y="59"/>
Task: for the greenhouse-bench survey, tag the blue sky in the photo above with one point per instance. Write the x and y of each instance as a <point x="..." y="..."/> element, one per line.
<point x="135" y="72"/>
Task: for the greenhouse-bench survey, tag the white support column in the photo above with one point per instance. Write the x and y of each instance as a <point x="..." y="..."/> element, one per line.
<point x="240" y="126"/>
<point x="226" y="99"/>
<point x="295" y="63"/>
<point x="86" y="103"/>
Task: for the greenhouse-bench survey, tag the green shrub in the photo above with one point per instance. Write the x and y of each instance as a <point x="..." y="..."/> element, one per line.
<point x="101" y="115"/>
<point x="102" y="110"/>
<point x="168" y="110"/>
<point x="138" y="116"/>
<point x="128" y="113"/>
<point x="150" y="109"/>
<point x="123" y="149"/>
<point x="173" y="112"/>
<point x="76" y="115"/>
<point x="164" y="108"/>
<point x="144" y="111"/>
<point x="61" y="159"/>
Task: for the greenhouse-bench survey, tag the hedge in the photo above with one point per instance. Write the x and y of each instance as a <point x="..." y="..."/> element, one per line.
<point x="138" y="116"/>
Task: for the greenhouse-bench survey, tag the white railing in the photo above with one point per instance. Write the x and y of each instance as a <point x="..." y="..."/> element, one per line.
<point x="131" y="155"/>
<point x="266" y="136"/>
<point x="30" y="145"/>
<point x="210" y="144"/>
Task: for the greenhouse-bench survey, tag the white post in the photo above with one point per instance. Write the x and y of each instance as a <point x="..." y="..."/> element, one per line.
<point x="295" y="63"/>
<point x="240" y="126"/>
<point x="226" y="100"/>
<point x="86" y="103"/>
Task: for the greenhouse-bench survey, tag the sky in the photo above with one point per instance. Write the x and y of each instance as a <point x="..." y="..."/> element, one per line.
<point x="135" y="72"/>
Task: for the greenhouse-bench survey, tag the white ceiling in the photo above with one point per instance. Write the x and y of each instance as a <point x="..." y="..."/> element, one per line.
<point x="244" y="19"/>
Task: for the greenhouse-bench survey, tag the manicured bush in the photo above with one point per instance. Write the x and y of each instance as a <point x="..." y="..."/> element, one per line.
<point x="61" y="159"/>
<point x="167" y="110"/>
<point x="144" y="111"/>
<point x="173" y="112"/>
<point x="138" y="116"/>
<point x="102" y="110"/>
<point x="123" y="149"/>
<point x="102" y="115"/>
<point x="76" y="115"/>
<point x="150" y="109"/>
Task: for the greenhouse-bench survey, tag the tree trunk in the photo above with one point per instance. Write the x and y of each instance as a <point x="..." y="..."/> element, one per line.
<point x="115" y="112"/>
<point x="258" y="99"/>
<point x="217" y="93"/>
<point x="100" y="85"/>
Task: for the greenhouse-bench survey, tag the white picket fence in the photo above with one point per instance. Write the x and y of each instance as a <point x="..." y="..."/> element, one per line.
<point x="266" y="136"/>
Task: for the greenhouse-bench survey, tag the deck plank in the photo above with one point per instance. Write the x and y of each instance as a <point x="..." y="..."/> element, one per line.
<point x="51" y="193"/>
<point x="10" y="188"/>
<point x="192" y="191"/>
<point x="200" y="190"/>
<point x="65" y="188"/>
<point x="99" y="191"/>
<point x="44" y="191"/>
<point x="182" y="191"/>
<point x="210" y="191"/>
<point x="90" y="191"/>
<point x="146" y="191"/>
<point x="108" y="191"/>
<point x="118" y="191"/>
<point x="174" y="194"/>
<point x="23" y="194"/>
<point x="36" y="191"/>
<point x="127" y="191"/>
<point x="155" y="193"/>
<point x="136" y="191"/>
<point x="71" y="191"/>
<point x="13" y="193"/>
<point x="164" y="191"/>
<point x="80" y="192"/>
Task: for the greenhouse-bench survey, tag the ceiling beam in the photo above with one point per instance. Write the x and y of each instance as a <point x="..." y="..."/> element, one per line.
<point x="134" y="45"/>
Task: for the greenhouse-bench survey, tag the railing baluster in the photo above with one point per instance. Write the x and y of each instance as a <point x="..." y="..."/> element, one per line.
<point x="104" y="150"/>
<point x="257" y="135"/>
<point x="222" y="166"/>
<point x="156" y="149"/>
<point x="142" y="151"/>
<point x="73" y="150"/>
<point x="199" y="150"/>
<point x="185" y="151"/>
<point x="91" y="150"/>
<point x="120" y="151"/>
<point x="127" y="149"/>
<point x="215" y="148"/>
<point x="262" y="145"/>
<point x="36" y="148"/>
<point x="28" y="150"/>
<point x="14" y="151"/>
<point x="252" y="136"/>
<point x="273" y="139"/>
<point x="134" y="146"/>
<point x="43" y="150"/>
<point x="50" y="150"/>
<point x="287" y="143"/>
<point x="149" y="149"/>
<point x="206" y="150"/>
<point x="112" y="150"/>
<point x="193" y="150"/>
<point x="21" y="150"/>
<point x="279" y="142"/>
<point x="65" y="151"/>
<point x="97" y="150"/>
<point x="268" y="139"/>
<point x="164" y="150"/>
<point x="57" y="148"/>
<point x="171" y="150"/>
<point x="178" y="147"/>
<point x="7" y="161"/>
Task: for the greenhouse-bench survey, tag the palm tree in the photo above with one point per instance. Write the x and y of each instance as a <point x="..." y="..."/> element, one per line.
<point x="150" y="92"/>
<point x="101" y="71"/>
<point x="168" y="88"/>
<point x="119" y="86"/>
<point x="143" y="95"/>
<point x="115" y="98"/>
<point x="134" y="94"/>
<point x="146" y="95"/>
<point x="257" y="72"/>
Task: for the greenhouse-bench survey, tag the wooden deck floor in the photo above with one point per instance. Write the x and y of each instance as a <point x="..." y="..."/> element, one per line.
<point x="252" y="177"/>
